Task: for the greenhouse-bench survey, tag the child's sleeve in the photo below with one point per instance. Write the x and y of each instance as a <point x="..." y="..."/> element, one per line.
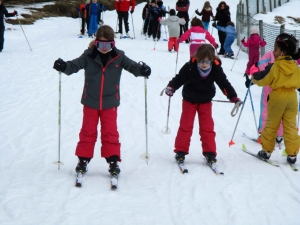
<point x="185" y="35"/>
<point x="130" y="66"/>
<point x="210" y="38"/>
<point x="75" y="65"/>
<point x="181" y="21"/>
<point x="263" y="78"/>
<point x="262" y="43"/>
<point x="179" y="79"/>
<point x="221" y="28"/>
<point x="246" y="43"/>
<point x="224" y="85"/>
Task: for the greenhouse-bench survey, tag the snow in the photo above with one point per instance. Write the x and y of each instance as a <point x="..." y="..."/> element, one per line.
<point x="34" y="191"/>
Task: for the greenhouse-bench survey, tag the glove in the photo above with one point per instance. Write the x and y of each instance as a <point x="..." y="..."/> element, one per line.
<point x="217" y="46"/>
<point x="118" y="12"/>
<point x="60" y="65"/>
<point x="144" y="69"/>
<point x="15" y="13"/>
<point x="214" y="24"/>
<point x="159" y="19"/>
<point x="169" y="91"/>
<point x="196" y="11"/>
<point x="243" y="40"/>
<point x="235" y="99"/>
<point x="248" y="82"/>
<point x="131" y="11"/>
<point x="253" y="69"/>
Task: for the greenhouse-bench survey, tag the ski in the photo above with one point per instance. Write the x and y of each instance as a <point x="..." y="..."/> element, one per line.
<point x="265" y="160"/>
<point x="182" y="167"/>
<point x="126" y="37"/>
<point x="293" y="167"/>
<point x="214" y="168"/>
<point x="257" y="140"/>
<point x="114" y="182"/>
<point x="79" y="179"/>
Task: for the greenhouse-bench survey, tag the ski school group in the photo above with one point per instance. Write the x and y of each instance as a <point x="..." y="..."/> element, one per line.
<point x="277" y="71"/>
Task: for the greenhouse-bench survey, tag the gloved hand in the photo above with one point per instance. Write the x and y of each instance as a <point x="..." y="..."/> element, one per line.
<point x="235" y="99"/>
<point x="248" y="82"/>
<point x="15" y="13"/>
<point x="253" y="69"/>
<point x="145" y="69"/>
<point x="118" y="12"/>
<point x="214" y="24"/>
<point x="131" y="11"/>
<point x="169" y="91"/>
<point x="217" y="46"/>
<point x="196" y="11"/>
<point x="243" y="40"/>
<point x="159" y="19"/>
<point x="60" y="65"/>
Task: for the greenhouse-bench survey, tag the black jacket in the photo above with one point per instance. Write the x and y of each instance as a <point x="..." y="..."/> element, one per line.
<point x="3" y="11"/>
<point x="198" y="90"/>
<point x="223" y="16"/>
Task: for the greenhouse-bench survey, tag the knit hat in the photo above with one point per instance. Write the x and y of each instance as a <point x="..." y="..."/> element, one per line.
<point x="172" y="12"/>
<point x="254" y="30"/>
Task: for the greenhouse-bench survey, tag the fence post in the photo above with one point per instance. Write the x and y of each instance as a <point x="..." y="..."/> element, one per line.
<point x="257" y="6"/>
<point x="261" y="33"/>
<point x="282" y="28"/>
<point x="237" y="24"/>
<point x="275" y="4"/>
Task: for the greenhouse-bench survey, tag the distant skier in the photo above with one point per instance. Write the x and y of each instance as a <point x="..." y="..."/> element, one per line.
<point x="122" y="8"/>
<point x="93" y="14"/>
<point x="4" y="12"/>
<point x="103" y="64"/>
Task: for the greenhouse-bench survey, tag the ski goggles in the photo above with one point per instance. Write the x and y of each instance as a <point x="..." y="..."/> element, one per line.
<point x="104" y="45"/>
<point x="205" y="61"/>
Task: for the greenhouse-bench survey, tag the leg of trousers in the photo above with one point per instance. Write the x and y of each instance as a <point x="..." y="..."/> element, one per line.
<point x="222" y="36"/>
<point x="2" y="29"/>
<point x="88" y="134"/>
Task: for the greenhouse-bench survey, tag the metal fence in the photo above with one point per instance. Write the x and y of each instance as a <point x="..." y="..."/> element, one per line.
<point x="267" y="31"/>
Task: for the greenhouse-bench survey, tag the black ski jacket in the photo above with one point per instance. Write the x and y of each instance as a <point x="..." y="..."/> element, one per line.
<point x="3" y="11"/>
<point x="198" y="90"/>
<point x="223" y="16"/>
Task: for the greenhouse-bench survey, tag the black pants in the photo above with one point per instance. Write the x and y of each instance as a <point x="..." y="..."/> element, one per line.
<point x="1" y="37"/>
<point x="146" y="25"/>
<point x="82" y="25"/>
<point x="150" y="26"/>
<point x="123" y="16"/>
<point x="222" y="37"/>
<point x="185" y="27"/>
<point x="156" y="29"/>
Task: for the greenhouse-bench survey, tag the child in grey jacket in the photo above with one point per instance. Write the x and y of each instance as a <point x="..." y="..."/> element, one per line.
<point x="173" y="23"/>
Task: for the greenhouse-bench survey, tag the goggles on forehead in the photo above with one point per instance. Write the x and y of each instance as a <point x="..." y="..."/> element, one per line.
<point x="104" y="45"/>
<point x="205" y="61"/>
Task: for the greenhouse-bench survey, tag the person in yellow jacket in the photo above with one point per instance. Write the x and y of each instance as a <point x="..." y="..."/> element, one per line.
<point x="283" y="76"/>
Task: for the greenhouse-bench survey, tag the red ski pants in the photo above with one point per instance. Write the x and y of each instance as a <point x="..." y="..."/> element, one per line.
<point x="110" y="144"/>
<point x="173" y="43"/>
<point x="206" y="127"/>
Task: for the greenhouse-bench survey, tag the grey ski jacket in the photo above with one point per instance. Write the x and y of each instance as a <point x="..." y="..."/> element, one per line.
<point x="101" y="86"/>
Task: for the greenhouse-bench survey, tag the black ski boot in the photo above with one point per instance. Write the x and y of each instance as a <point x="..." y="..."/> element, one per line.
<point x="82" y="165"/>
<point x="210" y="157"/>
<point x="279" y="139"/>
<point x="264" y="155"/>
<point x="114" y="169"/>
<point x="291" y="159"/>
<point x="180" y="157"/>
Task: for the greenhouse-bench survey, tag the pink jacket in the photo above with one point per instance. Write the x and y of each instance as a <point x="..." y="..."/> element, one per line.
<point x="197" y="35"/>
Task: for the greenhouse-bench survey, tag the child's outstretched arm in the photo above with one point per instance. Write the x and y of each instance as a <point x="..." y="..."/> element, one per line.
<point x="263" y="78"/>
<point x="135" y="68"/>
<point x="185" y="35"/>
<point x="70" y="67"/>
<point x="245" y="43"/>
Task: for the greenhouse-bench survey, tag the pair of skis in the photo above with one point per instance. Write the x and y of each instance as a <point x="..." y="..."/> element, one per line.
<point x="212" y="166"/>
<point x="292" y="166"/>
<point x="113" y="181"/>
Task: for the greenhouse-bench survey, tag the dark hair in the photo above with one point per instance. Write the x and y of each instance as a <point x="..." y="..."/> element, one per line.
<point x="230" y="23"/>
<point x="206" y="51"/>
<point x="222" y="3"/>
<point x="288" y="43"/>
<point x="172" y="12"/>
<point x="196" y="22"/>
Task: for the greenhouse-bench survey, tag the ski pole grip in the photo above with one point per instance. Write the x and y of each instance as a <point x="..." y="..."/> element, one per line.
<point x="236" y="107"/>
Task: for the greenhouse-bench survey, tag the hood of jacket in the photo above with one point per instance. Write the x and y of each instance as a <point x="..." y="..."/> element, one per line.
<point x="286" y="65"/>
<point x="174" y="18"/>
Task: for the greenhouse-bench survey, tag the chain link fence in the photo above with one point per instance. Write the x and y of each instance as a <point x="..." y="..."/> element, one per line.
<point x="269" y="32"/>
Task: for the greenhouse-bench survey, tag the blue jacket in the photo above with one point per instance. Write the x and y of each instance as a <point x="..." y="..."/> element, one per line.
<point x="229" y="30"/>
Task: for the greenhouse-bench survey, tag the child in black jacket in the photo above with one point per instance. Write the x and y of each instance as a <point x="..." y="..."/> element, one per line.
<point x="198" y="77"/>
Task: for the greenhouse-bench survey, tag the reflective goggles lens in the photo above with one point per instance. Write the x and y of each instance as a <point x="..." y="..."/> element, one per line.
<point x="104" y="45"/>
<point x="205" y="61"/>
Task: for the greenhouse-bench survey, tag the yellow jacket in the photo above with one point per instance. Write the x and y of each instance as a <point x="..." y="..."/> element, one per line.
<point x="284" y="73"/>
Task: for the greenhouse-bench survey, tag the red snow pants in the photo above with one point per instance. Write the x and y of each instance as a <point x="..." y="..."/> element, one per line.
<point x="206" y="127"/>
<point x="110" y="144"/>
<point x="173" y="43"/>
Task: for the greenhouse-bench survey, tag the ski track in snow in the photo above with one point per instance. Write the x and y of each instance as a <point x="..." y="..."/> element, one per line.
<point x="33" y="191"/>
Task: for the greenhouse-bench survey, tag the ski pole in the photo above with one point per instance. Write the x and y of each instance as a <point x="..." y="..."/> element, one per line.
<point x="146" y="155"/>
<point x="132" y="26"/>
<point x="253" y="111"/>
<point x="166" y="129"/>
<point x="231" y="141"/>
<point x="23" y="32"/>
<point x="236" y="56"/>
<point x="59" y="121"/>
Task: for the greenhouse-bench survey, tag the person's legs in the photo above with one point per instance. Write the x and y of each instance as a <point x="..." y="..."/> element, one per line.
<point x="126" y="24"/>
<point x="1" y="37"/>
<point x="222" y="36"/>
